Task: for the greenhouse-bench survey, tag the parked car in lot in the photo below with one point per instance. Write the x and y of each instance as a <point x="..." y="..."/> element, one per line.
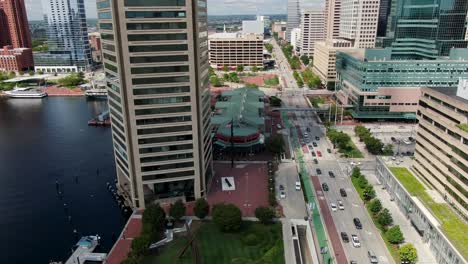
<point x="343" y="192"/>
<point x="333" y="207"/>
<point x="331" y="174"/>
<point x="344" y="237"/>
<point x="298" y="186"/>
<point x="340" y="205"/>
<point x="372" y="257"/>
<point x="319" y="171"/>
<point x="325" y="187"/>
<point x="355" y="241"/>
<point x="357" y="223"/>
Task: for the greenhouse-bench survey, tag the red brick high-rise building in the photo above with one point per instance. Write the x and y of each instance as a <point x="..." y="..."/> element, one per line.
<point x="14" y="28"/>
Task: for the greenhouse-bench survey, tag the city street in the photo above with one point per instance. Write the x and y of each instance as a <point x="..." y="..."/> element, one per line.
<point x="340" y="220"/>
<point x="283" y="66"/>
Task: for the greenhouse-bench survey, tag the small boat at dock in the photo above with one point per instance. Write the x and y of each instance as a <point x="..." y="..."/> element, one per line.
<point x="83" y="252"/>
<point x="103" y="119"/>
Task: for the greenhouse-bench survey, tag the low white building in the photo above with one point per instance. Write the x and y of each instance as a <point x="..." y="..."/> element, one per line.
<point x="252" y="27"/>
<point x="295" y="39"/>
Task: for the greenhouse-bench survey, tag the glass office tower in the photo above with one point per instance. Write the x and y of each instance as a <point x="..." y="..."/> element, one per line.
<point x="67" y="34"/>
<point x="156" y="62"/>
<point x="426" y="29"/>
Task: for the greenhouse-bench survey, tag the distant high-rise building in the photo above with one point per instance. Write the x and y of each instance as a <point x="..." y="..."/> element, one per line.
<point x="295" y="39"/>
<point x="294" y="16"/>
<point x="384" y="13"/>
<point x="67" y="34"/>
<point x="312" y="30"/>
<point x="426" y="29"/>
<point x="155" y="57"/>
<point x="14" y="29"/>
<point x="332" y="18"/>
<point x="358" y="22"/>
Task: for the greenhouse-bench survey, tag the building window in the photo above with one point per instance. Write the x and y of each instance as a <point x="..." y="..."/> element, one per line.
<point x="154" y="2"/>
<point x="155" y="14"/>
<point x="153" y="37"/>
<point x="158" y="48"/>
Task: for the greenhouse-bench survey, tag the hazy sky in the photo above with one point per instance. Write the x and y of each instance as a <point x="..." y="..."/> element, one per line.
<point x="215" y="7"/>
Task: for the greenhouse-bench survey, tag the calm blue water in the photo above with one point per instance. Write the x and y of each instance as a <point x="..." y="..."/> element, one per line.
<point x="42" y="141"/>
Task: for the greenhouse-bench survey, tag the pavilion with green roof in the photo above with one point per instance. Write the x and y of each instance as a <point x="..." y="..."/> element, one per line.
<point x="239" y="114"/>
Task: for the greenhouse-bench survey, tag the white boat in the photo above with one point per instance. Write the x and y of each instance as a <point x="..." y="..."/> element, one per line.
<point x="84" y="251"/>
<point x="96" y="93"/>
<point x="27" y="92"/>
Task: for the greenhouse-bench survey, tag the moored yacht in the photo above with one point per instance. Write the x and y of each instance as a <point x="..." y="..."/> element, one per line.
<point x="27" y="92"/>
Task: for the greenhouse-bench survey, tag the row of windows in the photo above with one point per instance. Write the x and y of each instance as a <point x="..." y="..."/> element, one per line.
<point x="164" y="100"/>
<point x="165" y="148"/>
<point x="175" y="79"/>
<point x="164" y="139"/>
<point x="165" y="90"/>
<point x="164" y="110"/>
<point x="149" y="26"/>
<point x="168" y="166"/>
<point x="157" y="37"/>
<point x="167" y="157"/>
<point x="110" y="67"/>
<point x="103" y="4"/>
<point x="104" y="15"/>
<point x="155" y="59"/>
<point x="154" y="2"/>
<point x="155" y="14"/>
<point x="160" y="130"/>
<point x="168" y="175"/>
<point x="164" y="69"/>
<point x="163" y="120"/>
<point x="107" y="26"/>
<point x="158" y="48"/>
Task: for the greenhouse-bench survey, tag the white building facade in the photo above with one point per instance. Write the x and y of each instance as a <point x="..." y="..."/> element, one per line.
<point x="312" y="30"/>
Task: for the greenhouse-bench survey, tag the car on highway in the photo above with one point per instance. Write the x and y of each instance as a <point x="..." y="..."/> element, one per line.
<point x="344" y="237"/>
<point x="343" y="192"/>
<point x="319" y="171"/>
<point x="319" y="153"/>
<point x="282" y="195"/>
<point x="372" y="257"/>
<point x="332" y="175"/>
<point x="357" y="223"/>
<point x="314" y="143"/>
<point x="317" y="138"/>
<point x="315" y="161"/>
<point x="333" y="207"/>
<point x="325" y="187"/>
<point x="298" y="186"/>
<point x="355" y="241"/>
<point x="281" y="187"/>
<point x="306" y="134"/>
<point x="310" y="146"/>
<point x="328" y="150"/>
<point x="340" y="205"/>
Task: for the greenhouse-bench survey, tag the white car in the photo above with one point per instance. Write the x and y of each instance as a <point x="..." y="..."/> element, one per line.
<point x="278" y="126"/>
<point x="298" y="186"/>
<point x="306" y="134"/>
<point x="282" y="195"/>
<point x="340" y="205"/>
<point x="333" y="207"/>
<point x="355" y="241"/>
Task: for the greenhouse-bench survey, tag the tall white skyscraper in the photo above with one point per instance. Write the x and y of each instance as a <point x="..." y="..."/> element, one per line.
<point x="332" y="17"/>
<point x="358" y="22"/>
<point x="312" y="30"/>
<point x="294" y="16"/>
<point x="156" y="62"/>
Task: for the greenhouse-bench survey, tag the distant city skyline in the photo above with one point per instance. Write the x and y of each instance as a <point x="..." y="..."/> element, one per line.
<point x="215" y="7"/>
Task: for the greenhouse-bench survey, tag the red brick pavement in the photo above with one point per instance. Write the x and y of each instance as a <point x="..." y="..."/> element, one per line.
<point x="122" y="247"/>
<point x="251" y="183"/>
<point x="340" y="255"/>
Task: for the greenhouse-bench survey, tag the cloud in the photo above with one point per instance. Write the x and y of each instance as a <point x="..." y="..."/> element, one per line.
<point x="34" y="9"/>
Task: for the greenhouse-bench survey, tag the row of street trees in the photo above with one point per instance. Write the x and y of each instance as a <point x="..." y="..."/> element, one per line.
<point x="373" y="145"/>
<point x="383" y="218"/>
<point x="293" y="60"/>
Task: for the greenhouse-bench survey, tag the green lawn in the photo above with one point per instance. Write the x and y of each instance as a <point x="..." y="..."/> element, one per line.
<point x="253" y="243"/>
<point x="452" y="225"/>
<point x="353" y="151"/>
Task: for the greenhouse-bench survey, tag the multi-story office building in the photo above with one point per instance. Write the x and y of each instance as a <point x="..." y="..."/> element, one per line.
<point x="427" y="29"/>
<point x="358" y="22"/>
<point x="280" y="29"/>
<point x="332" y="18"/>
<point x="380" y="88"/>
<point x="294" y="16"/>
<point x="67" y="34"/>
<point x="15" y="59"/>
<point x="295" y="39"/>
<point x="156" y="62"/>
<point x="14" y="29"/>
<point x="234" y="49"/>
<point x="384" y="13"/>
<point x="96" y="46"/>
<point x="312" y="30"/>
<point x="441" y="154"/>
<point x="325" y="59"/>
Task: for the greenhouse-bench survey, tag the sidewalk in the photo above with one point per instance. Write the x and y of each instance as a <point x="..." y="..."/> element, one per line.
<point x="411" y="236"/>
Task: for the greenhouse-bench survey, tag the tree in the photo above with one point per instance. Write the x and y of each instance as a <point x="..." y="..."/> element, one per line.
<point x="254" y="69"/>
<point x="362" y="182"/>
<point x="140" y="244"/>
<point x="374" y="145"/>
<point x="225" y="68"/>
<point x="356" y="172"/>
<point x="369" y="193"/>
<point x="240" y="68"/>
<point x="264" y="214"/>
<point x="408" y="253"/>
<point x="211" y="71"/>
<point x="31" y="73"/>
<point x="394" y="235"/>
<point x="215" y="81"/>
<point x="388" y="150"/>
<point x="227" y="217"/>
<point x="154" y="219"/>
<point x="305" y="60"/>
<point x="71" y="80"/>
<point x="269" y="47"/>
<point x="201" y="208"/>
<point x="275" y="101"/>
<point x="375" y="206"/>
<point x="177" y="210"/>
<point x="384" y="218"/>
<point x="276" y="144"/>
<point x="233" y="77"/>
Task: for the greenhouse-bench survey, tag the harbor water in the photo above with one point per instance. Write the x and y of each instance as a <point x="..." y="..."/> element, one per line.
<point x="53" y="175"/>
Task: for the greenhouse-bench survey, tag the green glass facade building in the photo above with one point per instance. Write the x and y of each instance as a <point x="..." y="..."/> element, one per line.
<point x="427" y="29"/>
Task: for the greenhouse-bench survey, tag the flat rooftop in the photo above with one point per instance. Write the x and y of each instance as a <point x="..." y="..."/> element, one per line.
<point x="449" y="91"/>
<point x="451" y="224"/>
